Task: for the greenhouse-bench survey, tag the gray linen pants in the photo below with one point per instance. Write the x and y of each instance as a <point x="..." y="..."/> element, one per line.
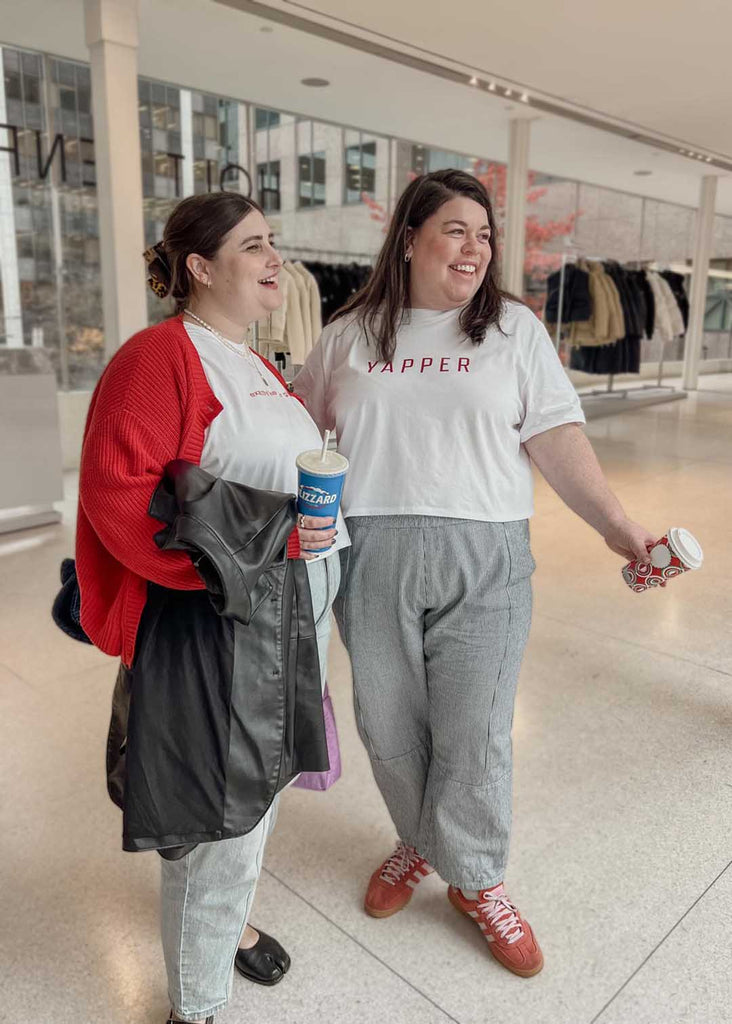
<point x="435" y="614"/>
<point x="207" y="895"/>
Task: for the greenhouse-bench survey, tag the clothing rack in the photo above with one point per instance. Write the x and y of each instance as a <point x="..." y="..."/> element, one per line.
<point x="297" y="251"/>
<point x="610" y="389"/>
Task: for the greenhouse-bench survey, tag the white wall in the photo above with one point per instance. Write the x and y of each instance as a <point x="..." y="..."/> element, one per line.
<point x="72" y="409"/>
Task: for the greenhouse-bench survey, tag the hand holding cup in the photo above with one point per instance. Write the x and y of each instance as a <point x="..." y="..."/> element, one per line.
<point x="316" y="534"/>
<point x="631" y="540"/>
<point x="677" y="552"/>
<point x="320" y="483"/>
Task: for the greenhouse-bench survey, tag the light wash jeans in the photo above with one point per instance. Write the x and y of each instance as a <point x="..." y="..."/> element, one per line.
<point x="206" y="896"/>
<point x="435" y="614"/>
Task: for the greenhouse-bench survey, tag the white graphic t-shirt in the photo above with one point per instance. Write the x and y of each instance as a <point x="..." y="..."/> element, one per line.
<point x="262" y="428"/>
<point x="440" y="429"/>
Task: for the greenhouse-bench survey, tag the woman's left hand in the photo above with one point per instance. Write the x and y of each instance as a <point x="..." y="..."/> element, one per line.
<point x="317" y="533"/>
<point x="629" y="539"/>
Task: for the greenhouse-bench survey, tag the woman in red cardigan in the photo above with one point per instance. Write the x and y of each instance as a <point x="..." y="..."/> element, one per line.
<point x="191" y="388"/>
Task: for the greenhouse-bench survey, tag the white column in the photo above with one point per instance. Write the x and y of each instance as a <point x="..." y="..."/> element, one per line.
<point x="244" y="158"/>
<point x="12" y="328"/>
<point x="517" y="183"/>
<point x="700" y="270"/>
<point x="112" y="37"/>
<point x="186" y="142"/>
<point x="394" y="191"/>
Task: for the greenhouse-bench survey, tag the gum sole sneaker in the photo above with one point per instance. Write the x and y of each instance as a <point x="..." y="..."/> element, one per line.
<point x="391" y="885"/>
<point x="509" y="937"/>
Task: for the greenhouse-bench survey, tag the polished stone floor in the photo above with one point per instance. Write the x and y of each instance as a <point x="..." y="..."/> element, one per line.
<point x="622" y="845"/>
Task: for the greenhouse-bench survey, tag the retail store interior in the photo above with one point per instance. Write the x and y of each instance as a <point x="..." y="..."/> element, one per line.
<point x="604" y="140"/>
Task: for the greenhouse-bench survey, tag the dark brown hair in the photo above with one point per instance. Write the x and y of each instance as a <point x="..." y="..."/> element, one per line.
<point x="380" y="304"/>
<point x="198" y="224"/>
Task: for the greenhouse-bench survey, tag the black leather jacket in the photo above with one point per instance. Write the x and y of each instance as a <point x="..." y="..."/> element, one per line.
<point x="222" y="706"/>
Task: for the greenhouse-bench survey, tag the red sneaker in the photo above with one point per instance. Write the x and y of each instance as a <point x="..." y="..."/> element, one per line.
<point x="391" y="885"/>
<point x="510" y="938"/>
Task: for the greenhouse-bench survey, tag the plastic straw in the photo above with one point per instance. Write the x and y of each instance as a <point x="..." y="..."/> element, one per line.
<point x="324" y="452"/>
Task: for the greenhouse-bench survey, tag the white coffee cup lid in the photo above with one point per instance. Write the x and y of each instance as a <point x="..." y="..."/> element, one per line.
<point x="335" y="464"/>
<point x="686" y="546"/>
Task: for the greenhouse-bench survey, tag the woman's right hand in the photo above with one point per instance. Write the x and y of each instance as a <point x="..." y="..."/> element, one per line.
<point x="316" y="533"/>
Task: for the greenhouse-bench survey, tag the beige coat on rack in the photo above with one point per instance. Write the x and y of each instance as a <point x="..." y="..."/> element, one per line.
<point x="617" y="317"/>
<point x="284" y="330"/>
<point x="607" y="324"/>
<point x="594" y="331"/>
<point x="304" y="299"/>
<point x="314" y="302"/>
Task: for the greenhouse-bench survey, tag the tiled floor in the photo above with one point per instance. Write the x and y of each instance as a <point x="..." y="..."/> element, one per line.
<point x="622" y="842"/>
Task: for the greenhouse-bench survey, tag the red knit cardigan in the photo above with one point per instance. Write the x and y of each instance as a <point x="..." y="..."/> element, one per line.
<point x="152" y="404"/>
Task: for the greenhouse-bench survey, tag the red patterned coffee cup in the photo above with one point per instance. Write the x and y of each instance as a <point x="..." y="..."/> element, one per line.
<point x="675" y="553"/>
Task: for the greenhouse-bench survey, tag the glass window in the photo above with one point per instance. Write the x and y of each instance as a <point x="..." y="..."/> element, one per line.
<point x="360" y="171"/>
<point x="718" y="312"/>
<point x="268" y="186"/>
<point x="55" y="221"/>
<point x="215" y="130"/>
<point x="311" y="178"/>
<point x="265" y="118"/>
<point x="13" y="89"/>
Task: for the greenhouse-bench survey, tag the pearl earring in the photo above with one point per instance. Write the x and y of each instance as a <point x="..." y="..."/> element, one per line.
<point x="407" y="257"/>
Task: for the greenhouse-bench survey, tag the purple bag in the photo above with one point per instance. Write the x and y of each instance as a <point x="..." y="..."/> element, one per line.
<point x="324" y="780"/>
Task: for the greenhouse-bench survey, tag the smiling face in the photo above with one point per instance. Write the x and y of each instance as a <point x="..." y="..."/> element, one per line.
<point x="450" y="254"/>
<point x="241" y="280"/>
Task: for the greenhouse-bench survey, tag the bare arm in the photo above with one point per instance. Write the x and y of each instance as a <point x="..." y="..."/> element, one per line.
<point x="567" y="462"/>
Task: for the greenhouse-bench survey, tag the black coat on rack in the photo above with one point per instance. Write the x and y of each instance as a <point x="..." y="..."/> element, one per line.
<point x="641" y="281"/>
<point x="337" y="282"/>
<point x="576" y="303"/>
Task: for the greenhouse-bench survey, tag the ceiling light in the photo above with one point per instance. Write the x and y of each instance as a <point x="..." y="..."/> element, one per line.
<point x="315" y="83"/>
<point x="474" y="80"/>
<point x="524" y="97"/>
<point x="491" y="87"/>
<point x="709" y="159"/>
<point x="508" y="92"/>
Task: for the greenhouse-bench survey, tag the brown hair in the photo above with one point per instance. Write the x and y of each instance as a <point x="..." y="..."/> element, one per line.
<point x="381" y="302"/>
<point x="198" y="224"/>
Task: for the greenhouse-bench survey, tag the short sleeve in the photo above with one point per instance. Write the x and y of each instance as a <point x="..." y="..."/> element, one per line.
<point x="548" y="396"/>
<point x="311" y="384"/>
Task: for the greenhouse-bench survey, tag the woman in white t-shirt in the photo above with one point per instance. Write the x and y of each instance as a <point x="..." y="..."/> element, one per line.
<point x="442" y="391"/>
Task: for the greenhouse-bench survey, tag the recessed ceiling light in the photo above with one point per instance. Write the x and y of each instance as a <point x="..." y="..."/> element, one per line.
<point x="524" y="97"/>
<point x="642" y="174"/>
<point x="508" y="92"/>
<point x="709" y="159"/>
<point x="315" y="83"/>
<point x="474" y="80"/>
<point x="491" y="87"/>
